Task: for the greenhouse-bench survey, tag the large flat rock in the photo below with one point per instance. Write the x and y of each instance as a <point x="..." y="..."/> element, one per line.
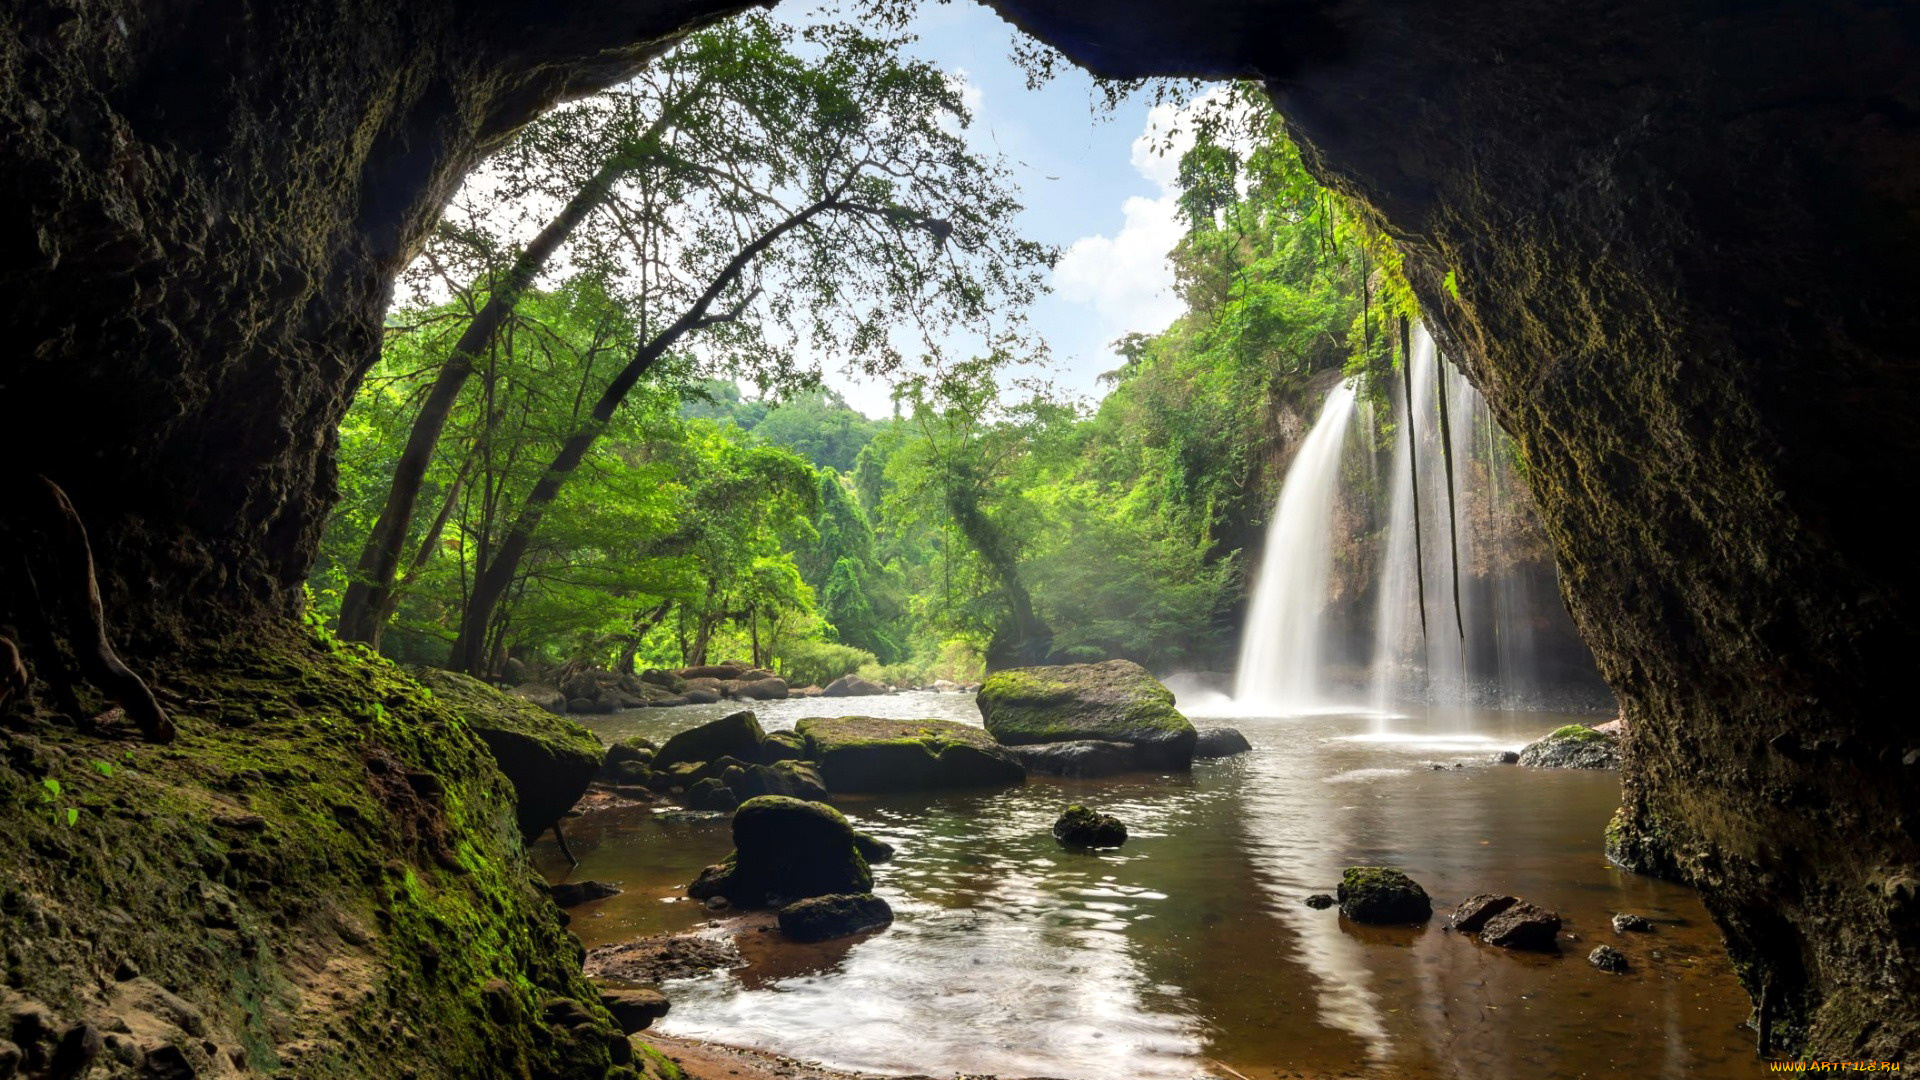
<point x="869" y="754"/>
<point x="1115" y="701"/>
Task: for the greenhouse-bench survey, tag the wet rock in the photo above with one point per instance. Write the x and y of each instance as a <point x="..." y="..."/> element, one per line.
<point x="795" y="779"/>
<point x="1115" y="701"/>
<point x="787" y="848"/>
<point x="1628" y="923"/>
<point x="697" y="695"/>
<point x="1218" y="742"/>
<point x="1506" y="757"/>
<point x="782" y="746"/>
<point x="1523" y="926"/>
<point x="711" y="794"/>
<point x="635" y="1008"/>
<point x="737" y="736"/>
<point x="768" y="689"/>
<point x="852" y="686"/>
<point x="806" y="691"/>
<point x="654" y="960"/>
<point x="872" y="848"/>
<point x="1080" y="827"/>
<point x="544" y="697"/>
<point x="550" y="759"/>
<point x="1320" y="901"/>
<point x="1607" y="958"/>
<point x="1381" y="894"/>
<point x="1081" y="759"/>
<point x="1474" y="911"/>
<point x="1574" y="746"/>
<point x="867" y="754"/>
<point x="823" y="918"/>
<point x="665" y="680"/>
<point x="634" y="751"/>
<point x="574" y="893"/>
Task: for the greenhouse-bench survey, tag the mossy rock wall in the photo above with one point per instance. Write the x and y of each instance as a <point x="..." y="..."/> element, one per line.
<point x="325" y="867"/>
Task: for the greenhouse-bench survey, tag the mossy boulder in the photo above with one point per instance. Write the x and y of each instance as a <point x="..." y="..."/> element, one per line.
<point x="785" y="849"/>
<point x="1080" y="827"/>
<point x="319" y="803"/>
<point x="1381" y="894"/>
<point x="823" y="918"/>
<point x="550" y="759"/>
<point x="782" y="746"/>
<point x="795" y="779"/>
<point x="1575" y="746"/>
<point x="1115" y="701"/>
<point x="737" y="735"/>
<point x="868" y="754"/>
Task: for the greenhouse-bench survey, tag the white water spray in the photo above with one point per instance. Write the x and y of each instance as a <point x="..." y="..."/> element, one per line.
<point x="1280" y="668"/>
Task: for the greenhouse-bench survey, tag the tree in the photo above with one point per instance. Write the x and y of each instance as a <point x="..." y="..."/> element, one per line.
<point x="836" y="203"/>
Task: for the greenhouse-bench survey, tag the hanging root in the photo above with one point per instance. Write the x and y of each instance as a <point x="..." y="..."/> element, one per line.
<point x="79" y="600"/>
<point x="1413" y="472"/>
<point x="1453" y="512"/>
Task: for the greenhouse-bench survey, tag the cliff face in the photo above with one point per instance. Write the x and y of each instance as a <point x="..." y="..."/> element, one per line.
<point x="1680" y="232"/>
<point x="1681" y="236"/>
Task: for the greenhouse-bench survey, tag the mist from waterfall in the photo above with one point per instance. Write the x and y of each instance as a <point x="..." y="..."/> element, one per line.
<point x="1281" y="652"/>
<point x="1453" y="612"/>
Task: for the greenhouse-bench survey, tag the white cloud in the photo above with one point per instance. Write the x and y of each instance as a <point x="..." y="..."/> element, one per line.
<point x="1125" y="277"/>
<point x="971" y="95"/>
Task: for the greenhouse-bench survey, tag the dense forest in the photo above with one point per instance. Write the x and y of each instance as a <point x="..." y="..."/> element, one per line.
<point x="554" y="460"/>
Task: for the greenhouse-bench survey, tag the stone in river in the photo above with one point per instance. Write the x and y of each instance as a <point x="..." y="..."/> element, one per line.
<point x="737" y="735"/>
<point x="1081" y="759"/>
<point x="787" y="848"/>
<point x="1219" y="742"/>
<point x="573" y="893"/>
<point x="1115" y="701"/>
<point x="824" y="918"/>
<point x="1320" y="901"/>
<point x="1607" y="958"/>
<point x="1080" y="827"/>
<point x="1625" y="922"/>
<point x="711" y="794"/>
<point x="867" y="754"/>
<point x="1474" y="911"/>
<point x="852" y="686"/>
<point x="1523" y="926"/>
<point x="1381" y="894"/>
<point x="1575" y="746"/>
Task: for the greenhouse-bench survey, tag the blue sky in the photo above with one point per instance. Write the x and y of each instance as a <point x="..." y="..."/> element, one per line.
<point x="1090" y="186"/>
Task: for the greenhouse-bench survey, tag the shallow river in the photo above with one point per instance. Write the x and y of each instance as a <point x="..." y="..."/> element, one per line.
<point x="1189" y="952"/>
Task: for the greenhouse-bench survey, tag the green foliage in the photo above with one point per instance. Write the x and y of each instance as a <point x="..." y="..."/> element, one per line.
<point x="817" y="663"/>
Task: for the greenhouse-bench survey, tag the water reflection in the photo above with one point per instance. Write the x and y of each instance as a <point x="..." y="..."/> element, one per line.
<point x="1190" y="950"/>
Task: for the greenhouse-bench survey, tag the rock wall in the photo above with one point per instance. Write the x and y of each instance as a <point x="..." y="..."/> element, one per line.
<point x="1680" y="243"/>
<point x="323" y="878"/>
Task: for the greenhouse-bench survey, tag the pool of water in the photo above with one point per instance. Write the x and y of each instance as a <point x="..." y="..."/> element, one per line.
<point x="1189" y="952"/>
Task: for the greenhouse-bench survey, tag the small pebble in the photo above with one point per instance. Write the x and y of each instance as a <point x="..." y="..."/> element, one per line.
<point x="1607" y="958"/>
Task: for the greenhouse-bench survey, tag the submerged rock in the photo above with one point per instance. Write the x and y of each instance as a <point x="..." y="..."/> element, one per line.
<point x="574" y="893"/>
<point x="1575" y="746"/>
<point x="785" y="848"/>
<point x="550" y="759"/>
<point x="1081" y="759"/>
<point x="1115" y="701"/>
<point x="1523" y="926"/>
<point x="1628" y="923"/>
<point x="1474" y="911"/>
<point x="1219" y="742"/>
<point x="1083" y="828"/>
<point x="1607" y="958"/>
<point x="1506" y="757"/>
<point x="867" y="754"/>
<point x="852" y="686"/>
<point x="1381" y="894"/>
<point x="737" y="735"/>
<point x="823" y="918"/>
<point x="1320" y="901"/>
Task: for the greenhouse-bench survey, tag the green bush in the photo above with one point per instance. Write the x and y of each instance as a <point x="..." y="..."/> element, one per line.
<point x="817" y="663"/>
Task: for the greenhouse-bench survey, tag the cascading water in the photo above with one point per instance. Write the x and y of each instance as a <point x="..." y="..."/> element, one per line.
<point x="1280" y="655"/>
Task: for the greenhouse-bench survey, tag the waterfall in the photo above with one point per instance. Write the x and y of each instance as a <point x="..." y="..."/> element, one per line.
<point x="1280" y="653"/>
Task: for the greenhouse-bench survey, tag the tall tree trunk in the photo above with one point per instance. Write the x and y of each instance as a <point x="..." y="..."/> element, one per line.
<point x="491" y="584"/>
<point x="369" y="596"/>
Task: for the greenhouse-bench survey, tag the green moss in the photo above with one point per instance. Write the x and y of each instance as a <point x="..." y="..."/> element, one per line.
<point x="1577" y="733"/>
<point x="654" y="1065"/>
<point x="326" y="863"/>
